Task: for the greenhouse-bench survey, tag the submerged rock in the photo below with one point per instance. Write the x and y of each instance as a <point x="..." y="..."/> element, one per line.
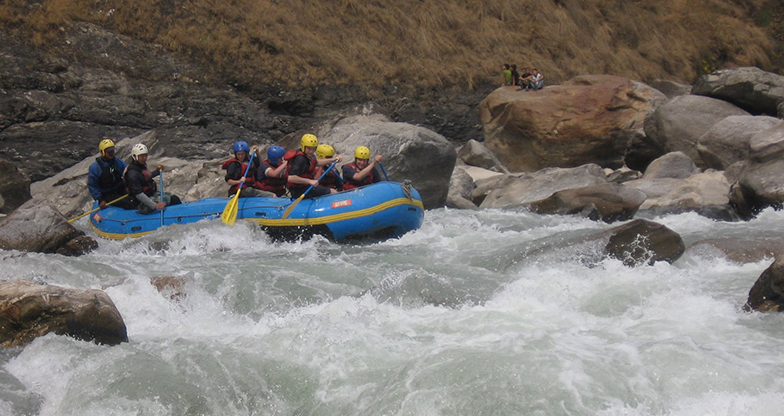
<point x="642" y="241"/>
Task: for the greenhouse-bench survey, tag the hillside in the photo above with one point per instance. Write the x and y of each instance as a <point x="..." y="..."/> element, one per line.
<point x="438" y="44"/>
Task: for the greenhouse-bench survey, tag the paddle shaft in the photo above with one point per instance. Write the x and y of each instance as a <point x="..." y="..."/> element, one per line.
<point x="301" y="197"/>
<point x="247" y="169"/>
<point x="160" y="172"/>
<point x="96" y="209"/>
<point x="384" y="171"/>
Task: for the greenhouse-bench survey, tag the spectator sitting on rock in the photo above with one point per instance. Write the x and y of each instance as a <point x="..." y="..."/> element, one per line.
<point x="515" y="75"/>
<point x="507" y="75"/>
<point x="524" y="78"/>
<point x="537" y="80"/>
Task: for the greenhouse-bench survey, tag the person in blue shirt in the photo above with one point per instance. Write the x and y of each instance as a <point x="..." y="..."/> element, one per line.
<point x="105" y="177"/>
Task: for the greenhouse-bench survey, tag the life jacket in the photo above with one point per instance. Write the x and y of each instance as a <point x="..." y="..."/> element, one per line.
<point x="148" y="187"/>
<point x="311" y="172"/>
<point x="332" y="180"/>
<point x="351" y="183"/>
<point x="276" y="185"/>
<point x="111" y="179"/>
<point x="243" y="166"/>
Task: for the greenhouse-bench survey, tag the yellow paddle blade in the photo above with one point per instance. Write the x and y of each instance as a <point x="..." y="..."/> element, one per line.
<point x="291" y="207"/>
<point x="230" y="212"/>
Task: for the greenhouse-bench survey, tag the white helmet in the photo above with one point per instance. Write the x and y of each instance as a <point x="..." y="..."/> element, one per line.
<point x="138" y="149"/>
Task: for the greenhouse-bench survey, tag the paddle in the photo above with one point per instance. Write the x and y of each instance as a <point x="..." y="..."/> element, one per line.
<point x="230" y="212"/>
<point x="301" y="197"/>
<point x="96" y="209"/>
<point x="384" y="170"/>
<point x="161" y="196"/>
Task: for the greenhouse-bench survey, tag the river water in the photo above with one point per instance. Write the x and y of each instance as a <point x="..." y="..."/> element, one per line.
<point x="470" y="315"/>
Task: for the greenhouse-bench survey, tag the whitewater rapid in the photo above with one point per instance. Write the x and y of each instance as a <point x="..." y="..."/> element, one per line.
<point x="477" y="313"/>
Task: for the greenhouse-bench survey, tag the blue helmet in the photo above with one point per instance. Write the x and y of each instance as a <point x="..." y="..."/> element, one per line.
<point x="240" y="146"/>
<point x="274" y="153"/>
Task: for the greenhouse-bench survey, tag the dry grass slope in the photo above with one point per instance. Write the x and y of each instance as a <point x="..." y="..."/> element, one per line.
<point x="428" y="43"/>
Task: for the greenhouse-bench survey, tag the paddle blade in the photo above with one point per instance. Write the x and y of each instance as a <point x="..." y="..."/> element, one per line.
<point x="230" y="212"/>
<point x="291" y="207"/>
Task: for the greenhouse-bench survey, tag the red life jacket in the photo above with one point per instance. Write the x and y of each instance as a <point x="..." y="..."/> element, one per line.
<point x="310" y="174"/>
<point x="351" y="183"/>
<point x="276" y="185"/>
<point x="243" y="166"/>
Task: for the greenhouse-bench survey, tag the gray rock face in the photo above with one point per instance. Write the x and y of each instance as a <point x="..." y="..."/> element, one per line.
<point x="678" y="124"/>
<point x="29" y="310"/>
<point x="523" y="188"/>
<point x="670" y="88"/>
<point x="14" y="187"/>
<point x="727" y="141"/>
<point x="672" y="165"/>
<point x="474" y="153"/>
<point x="37" y="226"/>
<point x="750" y="88"/>
<point x="767" y="294"/>
<point x="460" y="187"/>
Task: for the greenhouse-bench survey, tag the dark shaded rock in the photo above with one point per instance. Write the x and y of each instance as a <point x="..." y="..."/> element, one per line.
<point x="14" y="187"/>
<point x="29" y="310"/>
<point x="766" y="294"/>
<point x="642" y="241"/>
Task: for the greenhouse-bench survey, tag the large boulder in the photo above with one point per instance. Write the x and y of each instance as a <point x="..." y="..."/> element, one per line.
<point x="589" y="119"/>
<point x="767" y="294"/>
<point x="517" y="189"/>
<point x="29" y="310"/>
<point x="746" y="249"/>
<point x="678" y="124"/>
<point x="727" y="141"/>
<point x="749" y="88"/>
<point x="14" y="187"/>
<point x="38" y="226"/>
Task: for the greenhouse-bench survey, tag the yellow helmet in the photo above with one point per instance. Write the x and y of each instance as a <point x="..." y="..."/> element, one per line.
<point x="324" y="151"/>
<point x="362" y="152"/>
<point x="105" y="144"/>
<point x="309" y="140"/>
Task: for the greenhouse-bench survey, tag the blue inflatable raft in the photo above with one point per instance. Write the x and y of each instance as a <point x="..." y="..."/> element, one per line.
<point x="374" y="212"/>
